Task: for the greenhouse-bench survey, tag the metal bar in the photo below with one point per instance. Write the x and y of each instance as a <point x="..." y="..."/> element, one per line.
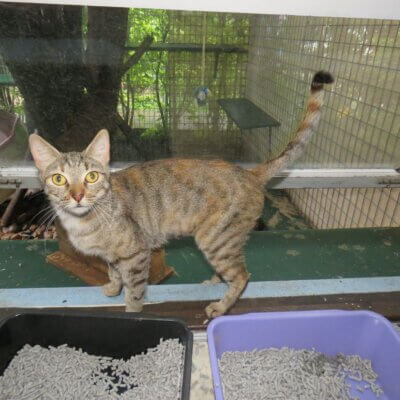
<point x="335" y="178"/>
<point x="192" y="47"/>
<point x="93" y="296"/>
<point x="270" y="141"/>
<point x="27" y="177"/>
<point x="387" y="9"/>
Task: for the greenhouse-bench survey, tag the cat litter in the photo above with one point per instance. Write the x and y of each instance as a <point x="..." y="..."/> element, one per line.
<point x="288" y="374"/>
<point x="67" y="373"/>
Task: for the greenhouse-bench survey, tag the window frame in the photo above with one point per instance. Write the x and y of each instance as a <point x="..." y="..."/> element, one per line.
<point x="383" y="9"/>
<point x="27" y="177"/>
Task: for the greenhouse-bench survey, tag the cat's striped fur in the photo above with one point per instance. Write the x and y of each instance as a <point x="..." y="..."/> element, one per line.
<point x="123" y="216"/>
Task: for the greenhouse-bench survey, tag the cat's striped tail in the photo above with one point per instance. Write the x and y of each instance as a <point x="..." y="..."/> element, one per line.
<point x="303" y="133"/>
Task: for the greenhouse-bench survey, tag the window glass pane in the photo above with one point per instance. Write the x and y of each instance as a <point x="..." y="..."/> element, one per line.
<point x="69" y="71"/>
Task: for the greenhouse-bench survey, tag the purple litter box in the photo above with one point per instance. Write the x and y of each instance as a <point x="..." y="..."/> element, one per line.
<point x="330" y="331"/>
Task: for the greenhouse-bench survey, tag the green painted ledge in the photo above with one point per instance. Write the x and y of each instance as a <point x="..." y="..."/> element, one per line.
<point x="271" y="256"/>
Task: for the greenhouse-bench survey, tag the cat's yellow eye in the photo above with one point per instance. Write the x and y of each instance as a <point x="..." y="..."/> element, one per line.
<point x="92" y="177"/>
<point x="59" y="180"/>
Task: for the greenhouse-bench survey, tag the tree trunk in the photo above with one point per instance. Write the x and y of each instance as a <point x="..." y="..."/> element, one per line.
<point x="70" y="92"/>
<point x="103" y="59"/>
<point x="42" y="48"/>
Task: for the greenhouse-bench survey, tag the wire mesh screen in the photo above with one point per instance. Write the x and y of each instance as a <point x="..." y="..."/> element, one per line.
<point x="159" y="96"/>
<point x="360" y="126"/>
<point x="156" y="100"/>
<point x="348" y="208"/>
<point x="204" y="131"/>
<point x="269" y="60"/>
<point x="361" y="121"/>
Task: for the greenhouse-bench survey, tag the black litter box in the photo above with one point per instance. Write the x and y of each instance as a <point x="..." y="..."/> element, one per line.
<point x="118" y="335"/>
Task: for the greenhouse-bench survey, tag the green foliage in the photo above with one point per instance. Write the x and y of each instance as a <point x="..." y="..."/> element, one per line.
<point x="160" y="76"/>
<point x="146" y="22"/>
<point x="224" y="73"/>
<point x="11" y="100"/>
<point x="160" y="88"/>
<point x="155" y="131"/>
<point x="139" y="83"/>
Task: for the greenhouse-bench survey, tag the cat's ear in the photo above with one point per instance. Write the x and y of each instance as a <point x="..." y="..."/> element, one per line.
<point x="43" y="153"/>
<point x="99" y="148"/>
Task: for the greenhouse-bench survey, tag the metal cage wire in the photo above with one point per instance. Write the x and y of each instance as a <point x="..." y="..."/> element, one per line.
<point x="360" y="125"/>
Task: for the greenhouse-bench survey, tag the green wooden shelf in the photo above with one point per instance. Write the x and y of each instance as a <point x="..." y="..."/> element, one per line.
<point x="246" y="114"/>
<point x="271" y="256"/>
<point x="192" y="47"/>
<point x="6" y="80"/>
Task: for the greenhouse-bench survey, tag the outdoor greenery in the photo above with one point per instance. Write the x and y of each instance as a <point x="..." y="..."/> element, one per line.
<point x="143" y="87"/>
<point x="11" y="100"/>
<point x="154" y="96"/>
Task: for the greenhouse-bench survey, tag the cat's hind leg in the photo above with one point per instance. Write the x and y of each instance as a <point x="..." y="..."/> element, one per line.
<point x="222" y="240"/>
<point x="226" y="257"/>
<point x="233" y="271"/>
<point x="114" y="287"/>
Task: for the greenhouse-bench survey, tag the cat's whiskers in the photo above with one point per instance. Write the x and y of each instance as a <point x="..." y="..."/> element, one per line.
<point x="104" y="206"/>
<point x="52" y="214"/>
<point x="50" y="221"/>
<point x="53" y="211"/>
<point x="107" y="211"/>
<point x="100" y="217"/>
<point x="43" y="220"/>
<point x="100" y="211"/>
<point x="46" y="210"/>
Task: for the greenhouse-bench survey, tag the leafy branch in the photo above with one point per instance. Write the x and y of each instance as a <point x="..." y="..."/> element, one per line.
<point x="134" y="59"/>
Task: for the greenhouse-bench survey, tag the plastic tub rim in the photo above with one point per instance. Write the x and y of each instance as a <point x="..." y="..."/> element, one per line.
<point x="187" y="367"/>
<point x="216" y="377"/>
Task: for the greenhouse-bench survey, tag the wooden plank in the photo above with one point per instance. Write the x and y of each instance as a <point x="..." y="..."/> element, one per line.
<point x="85" y="272"/>
<point x="96" y="274"/>
<point x="159" y="271"/>
<point x="75" y="260"/>
<point x="387" y="304"/>
<point x="67" y="248"/>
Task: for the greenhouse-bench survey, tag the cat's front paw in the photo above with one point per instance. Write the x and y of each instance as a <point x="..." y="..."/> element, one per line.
<point x="112" y="289"/>
<point x="134" y="307"/>
<point x="215" y="309"/>
<point x="213" y="281"/>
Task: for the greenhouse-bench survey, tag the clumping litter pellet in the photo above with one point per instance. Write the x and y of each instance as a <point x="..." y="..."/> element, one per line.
<point x="288" y="374"/>
<point x="66" y="373"/>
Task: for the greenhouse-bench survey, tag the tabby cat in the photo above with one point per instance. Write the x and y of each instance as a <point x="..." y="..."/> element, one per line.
<point x="122" y="216"/>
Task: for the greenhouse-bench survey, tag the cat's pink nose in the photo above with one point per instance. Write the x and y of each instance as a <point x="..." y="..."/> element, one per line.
<point x="77" y="196"/>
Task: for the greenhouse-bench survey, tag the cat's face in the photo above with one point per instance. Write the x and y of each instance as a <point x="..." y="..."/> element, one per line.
<point x="74" y="182"/>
